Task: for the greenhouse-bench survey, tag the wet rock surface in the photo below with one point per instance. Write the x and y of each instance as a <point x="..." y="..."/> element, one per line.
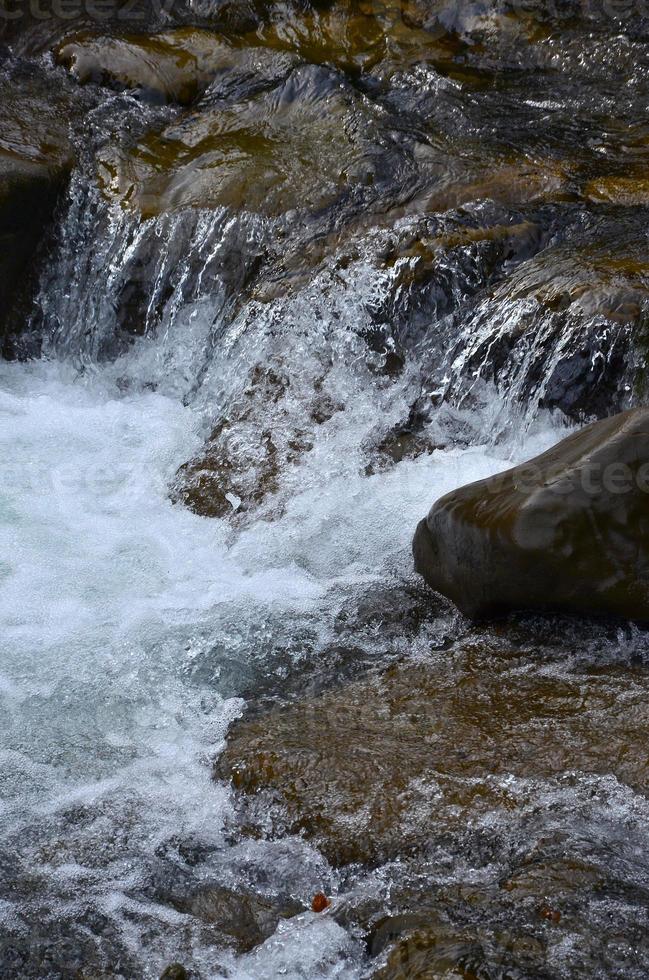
<point x="238" y="467"/>
<point x="316" y="118"/>
<point x="307" y="141"/>
<point x="175" y="66"/>
<point x="565" y="531"/>
<point x="413" y="764"/>
<point x="368" y="772"/>
<point x="238" y="920"/>
<point x="567" y="331"/>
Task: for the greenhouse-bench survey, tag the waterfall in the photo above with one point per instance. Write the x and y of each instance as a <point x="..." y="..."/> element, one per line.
<point x="372" y="256"/>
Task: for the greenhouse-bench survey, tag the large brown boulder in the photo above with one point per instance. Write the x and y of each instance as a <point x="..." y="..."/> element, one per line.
<point x="568" y="530"/>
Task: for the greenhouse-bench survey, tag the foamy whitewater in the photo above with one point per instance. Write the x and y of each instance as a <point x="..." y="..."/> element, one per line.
<point x="129" y="626"/>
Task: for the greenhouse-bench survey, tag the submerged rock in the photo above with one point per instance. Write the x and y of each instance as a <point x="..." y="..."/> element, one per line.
<point x="569" y="530"/>
<point x="175" y="971"/>
<point x="240" y="920"/>
<point x="174" y="66"/>
<point x="215" y="485"/>
<point x="391" y="764"/>
<point x="434" y="949"/>
<point x="33" y="29"/>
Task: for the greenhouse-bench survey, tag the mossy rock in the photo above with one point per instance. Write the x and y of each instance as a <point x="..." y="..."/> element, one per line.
<point x="305" y="144"/>
<point x="506" y="182"/>
<point x="600" y="279"/>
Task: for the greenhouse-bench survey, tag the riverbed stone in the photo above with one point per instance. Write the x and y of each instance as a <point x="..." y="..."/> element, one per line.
<point x="422" y="752"/>
<point x="568" y="530"/>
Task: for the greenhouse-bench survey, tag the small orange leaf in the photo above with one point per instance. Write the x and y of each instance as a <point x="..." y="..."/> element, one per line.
<point x="320" y="902"/>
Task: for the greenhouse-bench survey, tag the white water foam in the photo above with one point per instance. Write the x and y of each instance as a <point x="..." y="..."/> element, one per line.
<point x="108" y="594"/>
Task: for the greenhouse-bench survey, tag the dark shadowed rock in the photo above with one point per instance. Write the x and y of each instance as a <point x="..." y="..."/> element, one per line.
<point x="35" y="158"/>
<point x="568" y="530"/>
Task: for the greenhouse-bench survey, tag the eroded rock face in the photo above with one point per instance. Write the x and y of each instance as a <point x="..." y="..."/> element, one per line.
<point x="569" y="530"/>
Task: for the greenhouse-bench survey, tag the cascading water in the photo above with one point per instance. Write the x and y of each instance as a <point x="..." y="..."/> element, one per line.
<point x="323" y="374"/>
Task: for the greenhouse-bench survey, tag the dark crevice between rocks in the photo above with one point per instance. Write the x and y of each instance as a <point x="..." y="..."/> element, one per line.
<point x="28" y="217"/>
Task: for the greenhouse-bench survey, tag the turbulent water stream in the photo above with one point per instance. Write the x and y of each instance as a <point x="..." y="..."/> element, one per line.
<point x="130" y="629"/>
<point x="299" y="270"/>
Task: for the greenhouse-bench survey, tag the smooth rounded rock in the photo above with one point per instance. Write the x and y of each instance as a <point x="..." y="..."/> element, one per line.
<point x="569" y="530"/>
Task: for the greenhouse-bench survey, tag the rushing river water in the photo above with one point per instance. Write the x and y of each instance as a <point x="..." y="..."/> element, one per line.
<point x="112" y="597"/>
<point x="273" y="278"/>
